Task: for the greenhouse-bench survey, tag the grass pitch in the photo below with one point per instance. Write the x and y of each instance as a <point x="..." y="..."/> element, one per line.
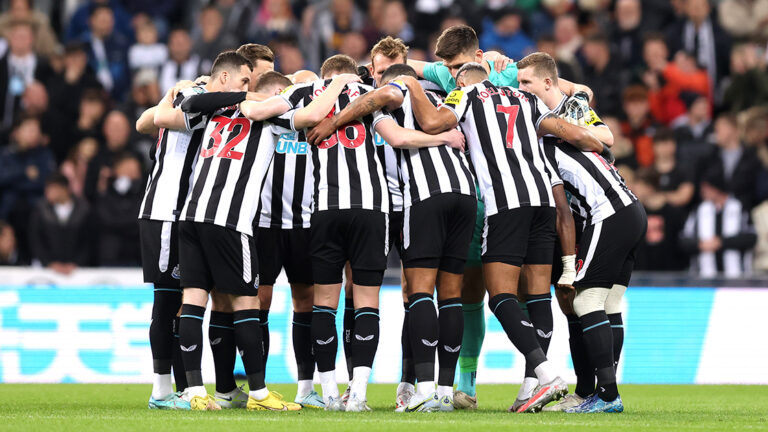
<point x="83" y="407"/>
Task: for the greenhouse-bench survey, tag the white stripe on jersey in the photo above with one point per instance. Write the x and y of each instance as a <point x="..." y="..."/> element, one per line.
<point x="174" y="161"/>
<point x="230" y="172"/>
<point x="348" y="172"/>
<point x="429" y="171"/>
<point x="510" y="174"/>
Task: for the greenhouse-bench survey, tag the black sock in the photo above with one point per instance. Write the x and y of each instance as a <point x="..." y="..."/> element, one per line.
<point x="540" y="311"/>
<point x="191" y="341"/>
<point x="366" y="337"/>
<point x="407" y="375"/>
<point x="451" y="322"/>
<point x="518" y="328"/>
<point x="161" y="340"/>
<point x="598" y="341"/>
<point x="324" y="340"/>
<point x="424" y="332"/>
<point x="178" y="364"/>
<point x="248" y="339"/>
<point x="302" y="345"/>
<point x="349" y="327"/>
<point x="221" y="334"/>
<point x="585" y="374"/>
<point x="617" y="328"/>
<point x="264" y="324"/>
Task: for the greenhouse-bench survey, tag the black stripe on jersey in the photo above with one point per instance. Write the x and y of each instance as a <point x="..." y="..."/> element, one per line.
<point x="449" y="168"/>
<point x="371" y="157"/>
<point x="278" y="180"/>
<point x="222" y="173"/>
<point x="487" y="142"/>
<point x="333" y="178"/>
<point x="300" y="174"/>
<point x="582" y="201"/>
<point x="594" y="171"/>
<point x="238" y="195"/>
<point x="187" y="171"/>
<point x="197" y="190"/>
<point x="150" y="199"/>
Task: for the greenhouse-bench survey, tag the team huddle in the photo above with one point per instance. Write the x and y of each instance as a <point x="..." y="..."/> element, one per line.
<point x="480" y="171"/>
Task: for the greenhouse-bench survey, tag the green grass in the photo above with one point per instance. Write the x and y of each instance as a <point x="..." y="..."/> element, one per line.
<point x="82" y="407"/>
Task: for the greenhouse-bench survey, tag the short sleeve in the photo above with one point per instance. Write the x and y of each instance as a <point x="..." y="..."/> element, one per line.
<point x="551" y="165"/>
<point x="192" y="121"/>
<point x="379" y="116"/>
<point x="294" y="94"/>
<point x="458" y="102"/>
<point x="539" y="109"/>
<point x="439" y="74"/>
<point x="283" y="123"/>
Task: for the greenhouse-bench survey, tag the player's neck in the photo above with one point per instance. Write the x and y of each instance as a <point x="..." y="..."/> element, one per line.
<point x="552" y="97"/>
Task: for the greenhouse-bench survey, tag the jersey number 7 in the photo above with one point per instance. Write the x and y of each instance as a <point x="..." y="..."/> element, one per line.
<point x="232" y="139"/>
<point x="512" y="110"/>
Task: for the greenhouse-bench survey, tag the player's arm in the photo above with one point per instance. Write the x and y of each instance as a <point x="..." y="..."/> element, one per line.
<point x="319" y="108"/>
<point x="387" y="96"/>
<point x="418" y="66"/>
<point x="566" y="233"/>
<point x="400" y="137"/>
<point x="570" y="88"/>
<point x="603" y="133"/>
<point x="167" y="116"/>
<point x="577" y="136"/>
<point x="146" y="122"/>
<point x="431" y="119"/>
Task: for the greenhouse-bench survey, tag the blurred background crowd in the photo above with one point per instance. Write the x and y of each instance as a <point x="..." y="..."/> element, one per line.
<point x="683" y="85"/>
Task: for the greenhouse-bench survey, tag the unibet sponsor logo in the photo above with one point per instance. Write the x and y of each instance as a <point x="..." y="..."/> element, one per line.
<point x="378" y="140"/>
<point x="455" y="97"/>
<point x="288" y="143"/>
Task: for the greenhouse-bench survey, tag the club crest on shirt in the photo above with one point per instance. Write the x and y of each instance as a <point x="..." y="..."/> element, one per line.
<point x="176" y="274"/>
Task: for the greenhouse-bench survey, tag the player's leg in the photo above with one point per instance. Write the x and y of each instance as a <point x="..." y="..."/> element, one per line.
<point x="197" y="280"/>
<point x="406" y="387"/>
<point x="159" y="253"/>
<point x="348" y="321"/>
<point x="368" y="246"/>
<point x="328" y="259"/>
<point x="221" y="336"/>
<point x="302" y="294"/>
<point x="265" y="302"/>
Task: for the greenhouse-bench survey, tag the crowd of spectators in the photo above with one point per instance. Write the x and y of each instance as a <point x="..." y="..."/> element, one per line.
<point x="683" y="85"/>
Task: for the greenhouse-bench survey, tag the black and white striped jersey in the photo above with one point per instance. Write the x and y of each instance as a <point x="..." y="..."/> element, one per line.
<point x="429" y="171"/>
<point x="596" y="188"/>
<point x="233" y="160"/>
<point x="388" y="157"/>
<point x="348" y="172"/>
<point x="286" y="199"/>
<point x="500" y="125"/>
<point x="174" y="159"/>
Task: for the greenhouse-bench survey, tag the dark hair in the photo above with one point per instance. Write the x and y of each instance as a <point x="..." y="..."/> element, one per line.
<point x="655" y="37"/>
<point x="229" y="60"/>
<point x="714" y="177"/>
<point x="338" y="63"/>
<point x="472" y="68"/>
<point x="396" y="70"/>
<point x="598" y="38"/>
<point x="57" y="179"/>
<point x="25" y="117"/>
<point x="271" y="78"/>
<point x="97" y="7"/>
<point x="547" y="38"/>
<point x="255" y="52"/>
<point x="649" y="176"/>
<point x="544" y="66"/>
<point x="730" y="118"/>
<point x="456" y="40"/>
<point x="663" y="134"/>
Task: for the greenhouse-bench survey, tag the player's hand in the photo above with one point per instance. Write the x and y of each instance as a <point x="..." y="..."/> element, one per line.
<point x="407" y="80"/>
<point x="202" y="79"/>
<point x="500" y="61"/>
<point x="321" y="131"/>
<point x="577" y="107"/>
<point x="607" y="154"/>
<point x="181" y="85"/>
<point x="569" y="272"/>
<point x="347" y="78"/>
<point x="455" y="139"/>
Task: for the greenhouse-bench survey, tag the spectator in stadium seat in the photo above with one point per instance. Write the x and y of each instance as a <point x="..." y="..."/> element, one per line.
<point x="213" y="37"/>
<point x="18" y="68"/>
<point x="638" y="124"/>
<point x="79" y="23"/>
<point x="289" y="57"/>
<point x="75" y="167"/>
<point x="36" y="103"/>
<point x="627" y="33"/>
<point x="660" y="249"/>
<point x="675" y="180"/>
<point x="23" y="10"/>
<point x="623" y="149"/>
<point x="568" y="37"/>
<point x="117" y="132"/>
<point x="566" y="70"/>
<point x="718" y="234"/>
<point x="668" y="86"/>
<point x="736" y="163"/>
<point x="66" y="89"/>
<point x="60" y="228"/>
<point x="747" y="86"/>
<point x="503" y="32"/>
<point x="107" y="51"/>
<point x="147" y="52"/>
<point x="603" y="74"/>
<point x="116" y="210"/>
<point x="744" y="18"/>
<point x="9" y="250"/>
<point x="353" y="44"/>
<point x="182" y="63"/>
<point x="395" y="22"/>
<point x="274" y="20"/>
<point x="328" y="26"/>
<point x="694" y="129"/>
<point x="26" y="163"/>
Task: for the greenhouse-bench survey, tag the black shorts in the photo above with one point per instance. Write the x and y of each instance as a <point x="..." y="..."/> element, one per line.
<point x="211" y="256"/>
<point x="160" y="252"/>
<point x="524" y="235"/>
<point x="437" y="232"/>
<point x="280" y="248"/>
<point x="396" y="232"/>
<point x="606" y="253"/>
<point x="355" y="235"/>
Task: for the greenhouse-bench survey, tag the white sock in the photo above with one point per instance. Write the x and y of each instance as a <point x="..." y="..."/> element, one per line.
<point x="526" y="390"/>
<point x="197" y="391"/>
<point x="425" y="388"/>
<point x="304" y="388"/>
<point x="359" y="384"/>
<point x="328" y="383"/>
<point x="162" y="387"/>
<point x="260" y="394"/>
<point x="405" y="387"/>
<point x="444" y="391"/>
<point x="545" y="372"/>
